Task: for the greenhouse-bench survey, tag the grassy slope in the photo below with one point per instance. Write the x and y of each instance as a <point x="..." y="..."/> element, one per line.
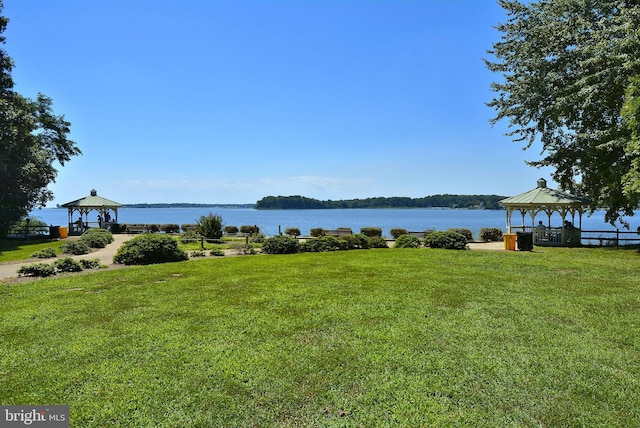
<point x="360" y="338"/>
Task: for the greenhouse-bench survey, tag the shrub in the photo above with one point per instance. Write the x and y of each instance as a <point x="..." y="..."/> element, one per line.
<point x="396" y="232"/>
<point x="243" y="249"/>
<point x="257" y="238"/>
<point x="189" y="236"/>
<point x="117" y="228"/>
<point x="407" y="241"/>
<point x="170" y="228"/>
<point x="281" y="244"/>
<point x="37" y="269"/>
<point x="153" y="228"/>
<point x="322" y="244"/>
<point x="448" y="240"/>
<point x="148" y="249"/>
<point x="210" y="226"/>
<point x="491" y="234"/>
<point x="90" y="263"/>
<point x="68" y="265"/>
<point x="292" y="231"/>
<point x="371" y="231"/>
<point x="97" y="238"/>
<point x="464" y="232"/>
<point x="249" y="229"/>
<point x="377" y="242"/>
<point x="316" y="232"/>
<point x="231" y="230"/>
<point x="198" y="253"/>
<point x="217" y="253"/>
<point x="75" y="247"/>
<point x="45" y="253"/>
<point x="355" y="242"/>
<point x="188" y="227"/>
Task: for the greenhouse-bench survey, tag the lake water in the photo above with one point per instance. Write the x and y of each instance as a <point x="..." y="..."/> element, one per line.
<point x="273" y="221"/>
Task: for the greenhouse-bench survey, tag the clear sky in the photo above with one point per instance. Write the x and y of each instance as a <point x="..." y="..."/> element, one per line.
<point x="227" y="101"/>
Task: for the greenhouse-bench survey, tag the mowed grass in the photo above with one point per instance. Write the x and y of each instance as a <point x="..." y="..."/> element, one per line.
<point x="18" y="249"/>
<point x="360" y="338"/>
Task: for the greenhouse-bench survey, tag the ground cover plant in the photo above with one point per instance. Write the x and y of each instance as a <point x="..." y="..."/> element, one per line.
<point x="399" y="337"/>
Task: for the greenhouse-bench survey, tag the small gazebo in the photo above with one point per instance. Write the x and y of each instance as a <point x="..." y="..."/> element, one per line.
<point x="85" y="205"/>
<point x="547" y="201"/>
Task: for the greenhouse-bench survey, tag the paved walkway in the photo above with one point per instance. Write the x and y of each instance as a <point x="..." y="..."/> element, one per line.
<point x="105" y="255"/>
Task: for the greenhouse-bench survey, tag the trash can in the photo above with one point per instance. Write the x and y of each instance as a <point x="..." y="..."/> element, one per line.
<point x="509" y="241"/>
<point x="54" y="232"/>
<point x="525" y="241"/>
<point x="64" y="232"/>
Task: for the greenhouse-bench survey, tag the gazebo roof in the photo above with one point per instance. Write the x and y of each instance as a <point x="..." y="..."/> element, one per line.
<point x="92" y="201"/>
<point x="543" y="196"/>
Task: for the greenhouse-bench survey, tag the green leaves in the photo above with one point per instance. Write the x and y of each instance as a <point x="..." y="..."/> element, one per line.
<point x="565" y="66"/>
<point x="32" y="138"/>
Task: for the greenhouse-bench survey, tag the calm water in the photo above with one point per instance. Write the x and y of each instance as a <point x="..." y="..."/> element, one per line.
<point x="271" y="221"/>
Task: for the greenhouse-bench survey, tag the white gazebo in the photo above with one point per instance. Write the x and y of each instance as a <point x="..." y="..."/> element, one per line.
<point x="547" y="201"/>
<point x="93" y="202"/>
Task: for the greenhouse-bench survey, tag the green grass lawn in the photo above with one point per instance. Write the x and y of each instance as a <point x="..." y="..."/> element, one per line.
<point x="360" y="338"/>
<point x="19" y="249"/>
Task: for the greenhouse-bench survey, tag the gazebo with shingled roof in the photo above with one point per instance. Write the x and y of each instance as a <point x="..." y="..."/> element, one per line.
<point x="547" y="201"/>
<point x="85" y="205"/>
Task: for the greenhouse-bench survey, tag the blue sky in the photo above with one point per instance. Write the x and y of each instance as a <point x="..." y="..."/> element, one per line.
<point x="227" y="101"/>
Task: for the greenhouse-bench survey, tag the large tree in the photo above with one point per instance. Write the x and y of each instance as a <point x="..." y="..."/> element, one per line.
<point x="565" y="67"/>
<point x="32" y="140"/>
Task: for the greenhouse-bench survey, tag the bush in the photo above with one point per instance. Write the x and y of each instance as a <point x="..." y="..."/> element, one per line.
<point x="90" y="263"/>
<point x="198" y="253"/>
<point x="491" y="234"/>
<point x="464" y="232"/>
<point x="249" y="229"/>
<point x="281" y="244"/>
<point x="170" y="228"/>
<point x="257" y="238"/>
<point x="322" y="244"/>
<point x="75" y="247"/>
<point x="148" y="249"/>
<point x="210" y="226"/>
<point x="407" y="241"/>
<point x="355" y="242"/>
<point x="188" y="237"/>
<point x="377" y="242"/>
<point x="396" y="232"/>
<point x="45" y="253"/>
<point x="316" y="232"/>
<point x="243" y="249"/>
<point x="217" y="253"/>
<point x="37" y="269"/>
<point x="68" y="265"/>
<point x="231" y="230"/>
<point x="97" y="238"/>
<point x="371" y="231"/>
<point x="448" y="240"/>
<point x="292" y="231"/>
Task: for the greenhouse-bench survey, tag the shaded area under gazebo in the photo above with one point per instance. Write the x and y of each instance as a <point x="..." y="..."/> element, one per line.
<point x="90" y="203"/>
<point x="547" y="201"/>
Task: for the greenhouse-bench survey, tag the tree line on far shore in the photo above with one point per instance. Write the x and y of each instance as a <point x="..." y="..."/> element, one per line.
<point x="436" y="201"/>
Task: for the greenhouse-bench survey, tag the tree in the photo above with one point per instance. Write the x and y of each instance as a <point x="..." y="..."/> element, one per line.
<point x="32" y="139"/>
<point x="631" y="117"/>
<point x="565" y="66"/>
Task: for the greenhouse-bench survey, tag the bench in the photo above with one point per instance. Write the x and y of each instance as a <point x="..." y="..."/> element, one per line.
<point x="136" y="228"/>
<point x="420" y="235"/>
<point x="341" y="231"/>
